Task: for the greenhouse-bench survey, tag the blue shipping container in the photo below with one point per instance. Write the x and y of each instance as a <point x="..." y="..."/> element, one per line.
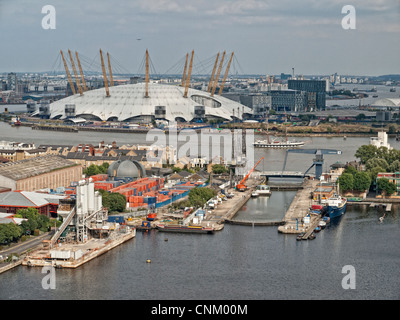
<point x="117" y="219"/>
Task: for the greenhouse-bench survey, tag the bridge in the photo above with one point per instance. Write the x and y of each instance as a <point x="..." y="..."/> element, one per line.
<point x="283" y="174"/>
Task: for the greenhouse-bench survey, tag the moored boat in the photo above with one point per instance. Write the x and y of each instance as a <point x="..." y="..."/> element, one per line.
<point x="336" y="206"/>
<point x="185" y="229"/>
<point x="278" y="144"/>
<point x="263" y="190"/>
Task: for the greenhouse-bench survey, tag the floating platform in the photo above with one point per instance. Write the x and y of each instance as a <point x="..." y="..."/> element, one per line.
<point x="73" y="256"/>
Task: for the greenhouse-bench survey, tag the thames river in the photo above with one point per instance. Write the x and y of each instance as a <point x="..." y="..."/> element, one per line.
<point x="239" y="262"/>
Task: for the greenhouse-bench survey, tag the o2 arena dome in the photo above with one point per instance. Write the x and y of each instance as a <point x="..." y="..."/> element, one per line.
<point x="128" y="103"/>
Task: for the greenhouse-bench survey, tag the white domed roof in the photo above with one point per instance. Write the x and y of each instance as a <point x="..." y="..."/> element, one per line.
<point x="387" y="102"/>
<point x="128" y="101"/>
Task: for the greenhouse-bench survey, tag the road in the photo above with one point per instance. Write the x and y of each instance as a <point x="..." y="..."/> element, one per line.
<point x="25" y="246"/>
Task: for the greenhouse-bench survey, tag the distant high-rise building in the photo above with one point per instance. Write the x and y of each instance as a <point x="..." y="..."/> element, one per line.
<point x="316" y="91"/>
<point x="288" y="100"/>
<point x="12" y="81"/>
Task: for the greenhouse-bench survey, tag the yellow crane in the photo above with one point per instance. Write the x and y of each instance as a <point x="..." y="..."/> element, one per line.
<point x="218" y="73"/>
<point x="78" y="83"/>
<point x="184" y="70"/>
<point x="81" y="72"/>
<point x="146" y="95"/>
<point x="212" y="74"/>
<point x="188" y="76"/>
<point x="71" y="84"/>
<point x="225" y="75"/>
<point x="109" y="71"/>
<point x="104" y="75"/>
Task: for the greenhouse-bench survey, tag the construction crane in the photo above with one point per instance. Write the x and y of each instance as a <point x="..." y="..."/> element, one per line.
<point x="217" y="76"/>
<point x="71" y="84"/>
<point x="110" y="71"/>
<point x="146" y="95"/>
<point x="225" y="75"/>
<point x="184" y="70"/>
<point x="241" y="185"/>
<point x="188" y="76"/>
<point x="81" y="72"/>
<point x="104" y="75"/>
<point x="212" y="74"/>
<point x="318" y="161"/>
<point x="78" y="83"/>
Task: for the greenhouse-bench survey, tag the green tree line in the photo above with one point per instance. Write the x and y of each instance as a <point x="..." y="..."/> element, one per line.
<point x="35" y="222"/>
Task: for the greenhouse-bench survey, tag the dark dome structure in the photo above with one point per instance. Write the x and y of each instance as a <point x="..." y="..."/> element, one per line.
<point x="126" y="169"/>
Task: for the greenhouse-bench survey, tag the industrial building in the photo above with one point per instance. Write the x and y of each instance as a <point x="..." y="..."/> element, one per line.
<point x="47" y="204"/>
<point x="47" y="172"/>
<point x="316" y="91"/>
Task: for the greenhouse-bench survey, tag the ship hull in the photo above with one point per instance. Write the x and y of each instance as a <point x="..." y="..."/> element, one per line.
<point x="279" y="145"/>
<point x="336" y="211"/>
<point x="182" y="229"/>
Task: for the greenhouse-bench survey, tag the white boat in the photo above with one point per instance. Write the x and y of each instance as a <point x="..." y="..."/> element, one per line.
<point x="263" y="190"/>
<point x="278" y="144"/>
<point x="254" y="194"/>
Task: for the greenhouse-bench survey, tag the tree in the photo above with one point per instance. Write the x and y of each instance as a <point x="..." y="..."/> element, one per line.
<point x="92" y="170"/>
<point x="9" y="232"/>
<point x="199" y="196"/>
<point x="113" y="201"/>
<point x="362" y="181"/>
<point x="376" y="162"/>
<point x="366" y="152"/>
<point x="386" y="186"/>
<point x="350" y="169"/>
<point x="346" y="181"/>
<point x="219" y="168"/>
<point x="394" y="166"/>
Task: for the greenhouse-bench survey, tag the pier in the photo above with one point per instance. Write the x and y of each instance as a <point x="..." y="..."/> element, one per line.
<point x="54" y="128"/>
<point x="298" y="209"/>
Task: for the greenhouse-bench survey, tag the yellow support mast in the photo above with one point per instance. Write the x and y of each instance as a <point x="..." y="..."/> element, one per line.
<point x="188" y="76"/>
<point x="104" y="75"/>
<point x="212" y="74"/>
<point x="71" y="84"/>
<point x="109" y="71"/>
<point x="78" y="83"/>
<point x="81" y="72"/>
<point x="225" y="75"/>
<point x="184" y="70"/>
<point x="217" y="76"/>
<point x="147" y="79"/>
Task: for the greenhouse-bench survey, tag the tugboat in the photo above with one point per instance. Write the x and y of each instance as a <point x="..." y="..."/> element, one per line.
<point x="16" y="122"/>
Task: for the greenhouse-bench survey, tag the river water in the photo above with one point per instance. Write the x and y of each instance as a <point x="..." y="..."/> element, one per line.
<point x="239" y="262"/>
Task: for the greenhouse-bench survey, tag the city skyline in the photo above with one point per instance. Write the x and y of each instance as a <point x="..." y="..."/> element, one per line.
<point x="267" y="37"/>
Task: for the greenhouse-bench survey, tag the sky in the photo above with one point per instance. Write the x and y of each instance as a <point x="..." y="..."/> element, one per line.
<point x="267" y="37"/>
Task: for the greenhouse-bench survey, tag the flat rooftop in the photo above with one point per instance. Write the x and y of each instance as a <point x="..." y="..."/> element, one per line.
<point x="23" y="169"/>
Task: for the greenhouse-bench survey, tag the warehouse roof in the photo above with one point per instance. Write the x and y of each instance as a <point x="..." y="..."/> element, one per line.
<point x="28" y="199"/>
<point x="23" y="169"/>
